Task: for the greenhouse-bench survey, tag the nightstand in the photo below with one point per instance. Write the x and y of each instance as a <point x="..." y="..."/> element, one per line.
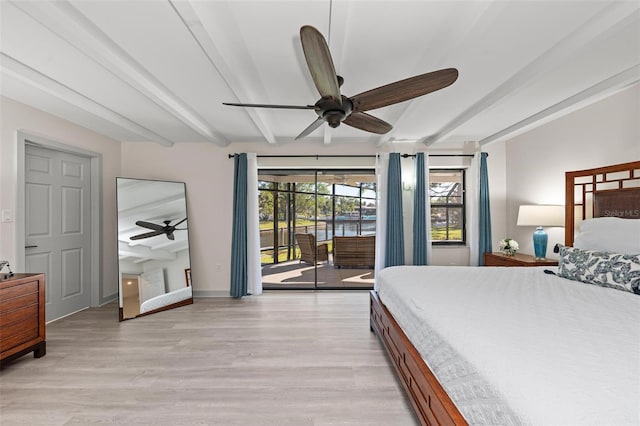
<point x="518" y="259"/>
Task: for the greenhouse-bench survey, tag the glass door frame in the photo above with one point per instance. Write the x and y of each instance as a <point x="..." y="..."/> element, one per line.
<point x="291" y="216"/>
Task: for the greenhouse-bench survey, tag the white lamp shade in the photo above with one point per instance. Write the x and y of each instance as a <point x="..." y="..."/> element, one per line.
<point x="541" y="215"/>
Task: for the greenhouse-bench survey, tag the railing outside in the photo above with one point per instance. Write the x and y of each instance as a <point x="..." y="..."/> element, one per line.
<point x="344" y="227"/>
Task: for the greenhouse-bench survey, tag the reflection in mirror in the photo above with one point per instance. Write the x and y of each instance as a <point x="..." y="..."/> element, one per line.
<point x="153" y="247"/>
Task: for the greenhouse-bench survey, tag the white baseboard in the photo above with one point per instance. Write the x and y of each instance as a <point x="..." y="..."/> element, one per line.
<point x="211" y="293"/>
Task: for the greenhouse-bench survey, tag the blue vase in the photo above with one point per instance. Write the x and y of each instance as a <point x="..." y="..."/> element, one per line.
<point x="540" y="239"/>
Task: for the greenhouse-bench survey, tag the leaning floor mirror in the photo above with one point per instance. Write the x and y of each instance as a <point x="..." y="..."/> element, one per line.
<point x="153" y="247"/>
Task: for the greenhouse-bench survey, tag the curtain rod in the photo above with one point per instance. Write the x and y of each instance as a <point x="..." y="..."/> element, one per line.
<point x="312" y="156"/>
<point x="353" y="156"/>
<point x="437" y="155"/>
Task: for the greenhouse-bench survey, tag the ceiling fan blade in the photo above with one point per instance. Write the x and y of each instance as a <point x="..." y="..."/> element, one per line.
<point x="368" y="123"/>
<point x="179" y="222"/>
<point x="320" y="64"/>
<point x="146" y="235"/>
<point x="311" y="128"/>
<point x="170" y="236"/>
<point x="271" y="106"/>
<point x="150" y="225"/>
<point x="404" y="90"/>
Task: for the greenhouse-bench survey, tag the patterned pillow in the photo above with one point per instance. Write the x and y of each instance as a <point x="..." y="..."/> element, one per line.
<point x="614" y="270"/>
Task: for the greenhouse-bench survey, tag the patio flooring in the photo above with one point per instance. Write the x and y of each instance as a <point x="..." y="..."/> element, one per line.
<point x="296" y="274"/>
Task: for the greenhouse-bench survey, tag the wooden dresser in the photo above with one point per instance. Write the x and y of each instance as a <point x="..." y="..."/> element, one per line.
<point x="518" y="259"/>
<point x="22" y="324"/>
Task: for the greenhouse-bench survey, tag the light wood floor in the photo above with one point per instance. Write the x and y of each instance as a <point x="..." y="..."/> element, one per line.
<point x="283" y="358"/>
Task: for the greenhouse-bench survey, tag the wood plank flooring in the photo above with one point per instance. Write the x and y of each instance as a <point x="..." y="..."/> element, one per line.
<point x="282" y="358"/>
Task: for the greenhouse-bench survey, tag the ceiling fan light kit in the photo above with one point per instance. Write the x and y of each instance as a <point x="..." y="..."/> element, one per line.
<point x="335" y="108"/>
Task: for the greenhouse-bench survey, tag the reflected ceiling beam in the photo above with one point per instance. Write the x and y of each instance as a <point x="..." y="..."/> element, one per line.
<point x="173" y="246"/>
<point x="193" y="23"/>
<point x="592" y="94"/>
<point x="145" y="211"/>
<point x="67" y="22"/>
<point x="46" y="84"/>
<point x="602" y="24"/>
<point x="142" y="252"/>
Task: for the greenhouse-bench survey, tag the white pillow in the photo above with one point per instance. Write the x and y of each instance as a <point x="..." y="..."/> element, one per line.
<point x="610" y="234"/>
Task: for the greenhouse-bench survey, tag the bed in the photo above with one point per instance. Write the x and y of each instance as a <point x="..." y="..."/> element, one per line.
<point x="565" y="352"/>
<point x="170" y="300"/>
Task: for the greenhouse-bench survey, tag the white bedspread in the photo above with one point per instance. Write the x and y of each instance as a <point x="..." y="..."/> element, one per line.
<point x="166" y="299"/>
<point x="537" y="348"/>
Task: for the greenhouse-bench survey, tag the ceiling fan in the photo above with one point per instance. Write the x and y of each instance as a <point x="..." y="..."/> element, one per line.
<point x="158" y="229"/>
<point x="335" y="108"/>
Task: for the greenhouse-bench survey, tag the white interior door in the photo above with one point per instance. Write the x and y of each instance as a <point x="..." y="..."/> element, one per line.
<point x="58" y="227"/>
<point x="151" y="284"/>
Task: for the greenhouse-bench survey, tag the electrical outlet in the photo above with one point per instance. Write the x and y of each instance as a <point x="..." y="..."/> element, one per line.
<point x="6" y="216"/>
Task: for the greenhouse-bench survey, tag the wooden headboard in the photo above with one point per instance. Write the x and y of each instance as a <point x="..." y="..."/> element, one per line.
<point x="605" y="191"/>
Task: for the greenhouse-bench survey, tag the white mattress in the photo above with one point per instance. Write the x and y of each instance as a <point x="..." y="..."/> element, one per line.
<point x="518" y="346"/>
<point x="166" y="299"/>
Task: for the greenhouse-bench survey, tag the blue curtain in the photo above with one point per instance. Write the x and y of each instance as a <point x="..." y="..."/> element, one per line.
<point x="239" y="232"/>
<point x="484" y="215"/>
<point x="420" y="240"/>
<point x="394" y="233"/>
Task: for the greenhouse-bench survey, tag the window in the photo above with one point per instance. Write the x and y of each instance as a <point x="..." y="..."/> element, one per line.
<point x="446" y="193"/>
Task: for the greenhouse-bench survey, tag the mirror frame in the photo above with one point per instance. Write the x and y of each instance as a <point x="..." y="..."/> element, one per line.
<point x="187" y="270"/>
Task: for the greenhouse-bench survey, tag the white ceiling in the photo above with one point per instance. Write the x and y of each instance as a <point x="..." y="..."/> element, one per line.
<point x="159" y="70"/>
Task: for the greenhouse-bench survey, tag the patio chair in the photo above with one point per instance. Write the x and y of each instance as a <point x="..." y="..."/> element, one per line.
<point x="307" y="244"/>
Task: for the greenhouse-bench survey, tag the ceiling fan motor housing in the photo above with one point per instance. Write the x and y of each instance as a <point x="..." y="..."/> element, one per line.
<point x="332" y="112"/>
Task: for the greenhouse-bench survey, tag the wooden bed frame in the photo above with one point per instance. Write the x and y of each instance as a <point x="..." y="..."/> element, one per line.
<point x="586" y="190"/>
<point x="605" y="191"/>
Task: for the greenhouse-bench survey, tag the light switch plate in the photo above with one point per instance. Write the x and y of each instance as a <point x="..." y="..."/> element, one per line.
<point x="6" y="216"/>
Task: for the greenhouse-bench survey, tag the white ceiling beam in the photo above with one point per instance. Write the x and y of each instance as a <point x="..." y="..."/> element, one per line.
<point x="173" y="203"/>
<point x="193" y="23"/>
<point x="143" y="252"/>
<point x="592" y="94"/>
<point x="16" y="69"/>
<point x="173" y="246"/>
<point x="608" y="20"/>
<point x="451" y="38"/>
<point x="327" y="134"/>
<point x="64" y="20"/>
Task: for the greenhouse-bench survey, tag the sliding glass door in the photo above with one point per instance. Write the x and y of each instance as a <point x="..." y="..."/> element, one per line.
<point x="301" y="211"/>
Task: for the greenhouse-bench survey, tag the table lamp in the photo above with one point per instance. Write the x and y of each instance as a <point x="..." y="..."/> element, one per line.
<point x="539" y="216"/>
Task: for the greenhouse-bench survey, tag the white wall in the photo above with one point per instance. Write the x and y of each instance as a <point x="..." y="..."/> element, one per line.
<point x="15" y="116"/>
<point x="605" y="133"/>
<point x="174" y="274"/>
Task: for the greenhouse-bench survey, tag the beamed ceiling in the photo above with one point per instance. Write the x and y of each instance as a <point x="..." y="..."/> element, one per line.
<point x="160" y="70"/>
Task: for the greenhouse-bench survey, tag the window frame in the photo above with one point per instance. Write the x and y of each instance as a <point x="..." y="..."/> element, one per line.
<point x="462" y="206"/>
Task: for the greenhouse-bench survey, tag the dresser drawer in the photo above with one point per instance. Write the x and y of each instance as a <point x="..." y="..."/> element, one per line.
<point x="13" y="291"/>
<point x="16" y="303"/>
<point x="19" y="337"/>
